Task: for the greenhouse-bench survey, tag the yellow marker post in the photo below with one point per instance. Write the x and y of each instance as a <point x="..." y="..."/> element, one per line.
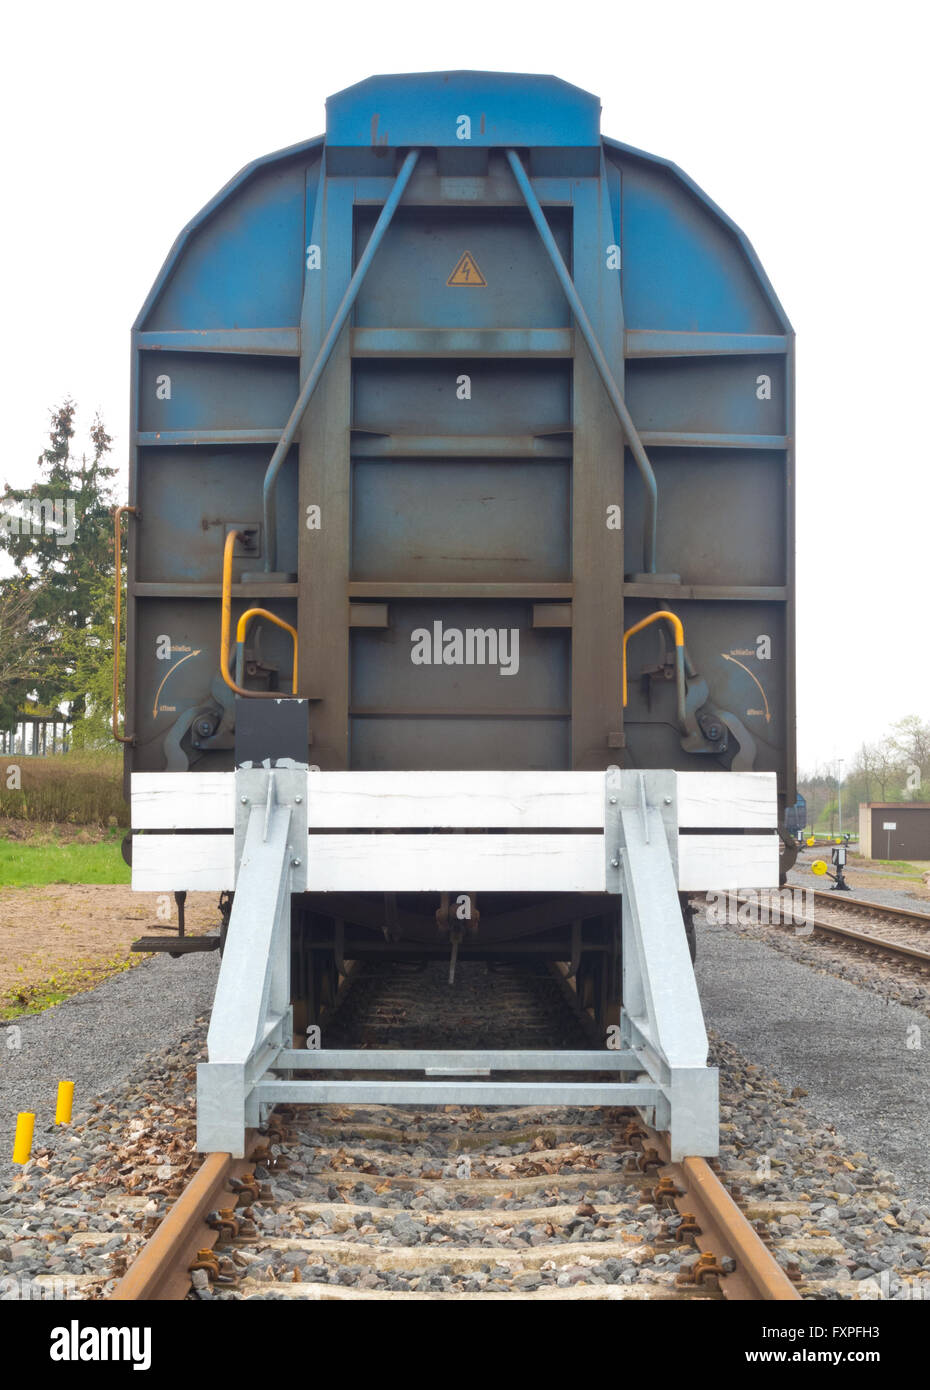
<point x="22" y="1144"/>
<point x="811" y="840"/>
<point x="65" y="1102"/>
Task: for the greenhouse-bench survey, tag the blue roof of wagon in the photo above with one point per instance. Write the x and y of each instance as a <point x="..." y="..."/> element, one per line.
<point x="424" y="108"/>
<point x="396" y="110"/>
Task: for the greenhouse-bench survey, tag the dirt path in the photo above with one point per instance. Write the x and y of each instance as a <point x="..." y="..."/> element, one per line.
<point x="58" y="939"/>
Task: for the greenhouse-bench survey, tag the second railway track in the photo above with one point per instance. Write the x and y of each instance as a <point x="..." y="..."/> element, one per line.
<point x="897" y="932"/>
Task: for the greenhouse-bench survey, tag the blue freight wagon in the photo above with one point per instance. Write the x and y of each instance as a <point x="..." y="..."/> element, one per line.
<point x="461" y="481"/>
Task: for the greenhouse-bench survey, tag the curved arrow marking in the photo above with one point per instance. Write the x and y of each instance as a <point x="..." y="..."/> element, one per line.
<point x="167" y="674"/>
<point x="727" y="657"/>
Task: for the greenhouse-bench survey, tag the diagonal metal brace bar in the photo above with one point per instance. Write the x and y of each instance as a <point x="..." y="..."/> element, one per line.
<point x="600" y="361"/>
<point x="251" y="1018"/>
<point x="662" y="1018"/>
<point x="269" y="507"/>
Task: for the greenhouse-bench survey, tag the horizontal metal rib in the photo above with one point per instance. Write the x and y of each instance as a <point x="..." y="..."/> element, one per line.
<point x="651" y="342"/>
<point x="185" y="590"/>
<point x="460" y="446"/>
<point x="393" y="1059"/>
<point x="462" y="342"/>
<point x="430" y="588"/>
<point x="675" y="439"/>
<point x="258" y="342"/>
<point x="460" y="712"/>
<point x="456" y="1093"/>
<point x="170" y="438"/>
<point x="751" y="593"/>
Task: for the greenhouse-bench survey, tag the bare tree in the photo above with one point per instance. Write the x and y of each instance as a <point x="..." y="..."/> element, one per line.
<point x="886" y="766"/>
<point x="910" y="738"/>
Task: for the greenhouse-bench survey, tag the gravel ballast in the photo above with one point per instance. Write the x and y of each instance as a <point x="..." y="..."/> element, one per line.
<point x="851" y="1049"/>
<point x="834" y="1169"/>
<point x="95" y="1040"/>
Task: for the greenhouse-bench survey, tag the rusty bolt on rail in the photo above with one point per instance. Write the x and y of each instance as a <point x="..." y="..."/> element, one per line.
<point x="247" y="1224"/>
<point x="246" y="1187"/>
<point x="704" y="1270"/>
<point x="664" y="1193"/>
<point x="207" y="1261"/>
<point x="633" y="1134"/>
<point x="687" y="1229"/>
<point x="225" y="1222"/>
<point x="649" y="1158"/>
<point x="209" y="1268"/>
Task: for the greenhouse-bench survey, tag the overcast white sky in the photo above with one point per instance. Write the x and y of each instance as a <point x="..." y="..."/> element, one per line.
<point x="805" y="122"/>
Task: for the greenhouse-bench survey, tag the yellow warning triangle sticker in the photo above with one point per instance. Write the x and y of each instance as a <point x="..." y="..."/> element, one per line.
<point x="467" y="272"/>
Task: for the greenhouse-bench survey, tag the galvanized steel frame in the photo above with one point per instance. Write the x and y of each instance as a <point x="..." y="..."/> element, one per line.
<point x="662" y="1036"/>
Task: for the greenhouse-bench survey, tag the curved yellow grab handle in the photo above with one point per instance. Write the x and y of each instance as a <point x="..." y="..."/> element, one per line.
<point x="672" y="619"/>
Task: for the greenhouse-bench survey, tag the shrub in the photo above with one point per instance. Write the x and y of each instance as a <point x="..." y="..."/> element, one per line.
<point x="78" y="788"/>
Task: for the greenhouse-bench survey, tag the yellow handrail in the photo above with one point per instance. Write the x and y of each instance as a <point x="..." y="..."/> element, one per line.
<point x="241" y="626"/>
<point x="118" y="543"/>
<point x="278" y="622"/>
<point x="675" y="623"/>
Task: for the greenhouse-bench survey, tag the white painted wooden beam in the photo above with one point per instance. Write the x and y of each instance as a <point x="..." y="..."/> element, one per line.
<point x="164" y="863"/>
<point x="183" y="800"/>
<point x="456" y="800"/>
<point x="475" y="863"/>
<point x="727" y="800"/>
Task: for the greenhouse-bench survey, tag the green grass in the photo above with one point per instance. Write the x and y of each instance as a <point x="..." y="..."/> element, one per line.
<point x="25" y="864"/>
<point x="45" y="994"/>
<point x="901" y="867"/>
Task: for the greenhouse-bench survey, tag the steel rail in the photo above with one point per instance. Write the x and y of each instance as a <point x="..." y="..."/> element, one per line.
<point x="160" y="1271"/>
<point x="725" y="1232"/>
<point x="863" y="905"/>
<point x="878" y="943"/>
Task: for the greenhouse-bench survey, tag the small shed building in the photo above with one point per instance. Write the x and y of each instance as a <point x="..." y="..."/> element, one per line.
<point x="894" y="829"/>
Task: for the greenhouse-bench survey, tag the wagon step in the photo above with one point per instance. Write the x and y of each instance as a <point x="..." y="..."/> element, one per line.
<point x="176" y="945"/>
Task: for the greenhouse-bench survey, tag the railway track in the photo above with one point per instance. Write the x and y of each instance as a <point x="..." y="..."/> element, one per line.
<point x="451" y="1202"/>
<point x="901" y="932"/>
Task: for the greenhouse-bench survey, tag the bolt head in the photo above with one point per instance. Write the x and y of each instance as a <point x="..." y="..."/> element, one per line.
<point x="295" y="863"/>
<point x="244" y="800"/>
<point x="667" y="800"/>
<point x="613" y="801"/>
<point x="615" y="863"/>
